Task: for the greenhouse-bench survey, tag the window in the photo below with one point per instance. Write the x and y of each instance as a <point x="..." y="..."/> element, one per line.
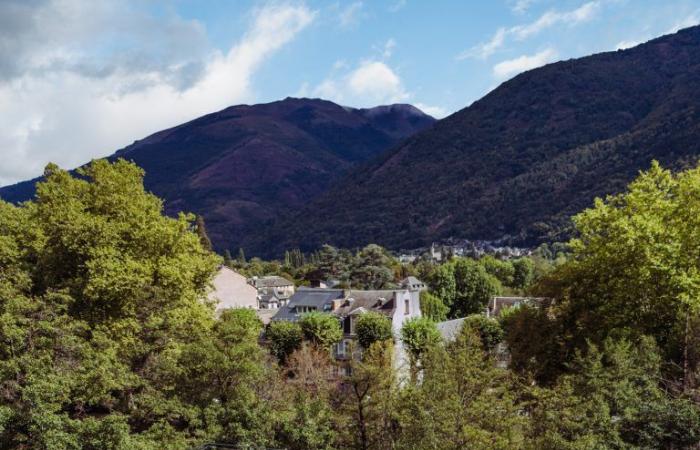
<point x="305" y="309"/>
<point x="407" y="307"/>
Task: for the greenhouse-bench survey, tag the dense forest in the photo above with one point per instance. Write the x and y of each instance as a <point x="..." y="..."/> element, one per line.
<point x="107" y="342"/>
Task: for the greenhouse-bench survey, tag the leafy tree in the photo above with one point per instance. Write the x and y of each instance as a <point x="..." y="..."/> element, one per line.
<point x="284" y="338"/>
<point x="503" y="270"/>
<point x="433" y="307"/>
<point x="461" y="401"/>
<point x="523" y="272"/>
<point x="321" y="329"/>
<point x="418" y="334"/>
<point x="100" y="295"/>
<point x="475" y="287"/>
<point x="372" y="327"/>
<point x="368" y="399"/>
<point x="442" y="283"/>
<point x="489" y="330"/>
<point x="202" y="233"/>
<point x="372" y="268"/>
<point x="634" y="266"/>
<point x="241" y="256"/>
<point x="612" y="399"/>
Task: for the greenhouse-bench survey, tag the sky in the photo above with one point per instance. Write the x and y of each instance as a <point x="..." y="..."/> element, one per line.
<point x="80" y="79"/>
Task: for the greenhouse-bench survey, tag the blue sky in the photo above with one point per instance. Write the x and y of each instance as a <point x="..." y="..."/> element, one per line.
<point x="81" y="78"/>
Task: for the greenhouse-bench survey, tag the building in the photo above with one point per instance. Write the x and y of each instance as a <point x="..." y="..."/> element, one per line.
<point x="273" y="291"/>
<point x="231" y="290"/>
<point x="398" y="305"/>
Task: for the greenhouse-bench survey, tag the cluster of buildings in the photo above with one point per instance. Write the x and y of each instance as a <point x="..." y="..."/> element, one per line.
<point x="276" y="299"/>
<point x="463" y="248"/>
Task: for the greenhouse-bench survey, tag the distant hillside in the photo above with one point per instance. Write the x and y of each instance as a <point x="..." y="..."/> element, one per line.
<point x="245" y="166"/>
<point x="519" y="162"/>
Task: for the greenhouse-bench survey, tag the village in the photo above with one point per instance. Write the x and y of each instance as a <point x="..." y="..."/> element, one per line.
<point x="277" y="299"/>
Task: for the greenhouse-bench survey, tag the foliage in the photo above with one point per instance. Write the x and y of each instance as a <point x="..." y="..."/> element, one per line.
<point x="372" y="327"/>
<point x="442" y="283"/>
<point x="463" y="401"/>
<point x="489" y="330"/>
<point x="418" y="334"/>
<point x="474" y="288"/>
<point x="523" y="272"/>
<point x="503" y="270"/>
<point x="284" y="338"/>
<point x="322" y="329"/>
<point x="432" y="307"/>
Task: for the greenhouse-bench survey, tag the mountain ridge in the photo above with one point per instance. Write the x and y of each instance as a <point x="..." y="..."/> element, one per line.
<point x="517" y="163"/>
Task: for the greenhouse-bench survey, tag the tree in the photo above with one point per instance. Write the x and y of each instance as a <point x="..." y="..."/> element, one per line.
<point x="489" y="330"/>
<point x="524" y="272"/>
<point x="241" y="256"/>
<point x="461" y="401"/>
<point x="321" y="329"/>
<point x="100" y="296"/>
<point x="634" y="266"/>
<point x="418" y="334"/>
<point x="474" y="288"/>
<point x="612" y="399"/>
<point x="433" y="307"/>
<point x="284" y="338"/>
<point x="371" y="269"/>
<point x="368" y="399"/>
<point x="503" y="270"/>
<point x="372" y="327"/>
<point x="442" y="283"/>
<point x="202" y="233"/>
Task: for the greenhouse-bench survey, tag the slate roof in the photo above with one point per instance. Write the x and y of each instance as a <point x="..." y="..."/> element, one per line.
<point x="321" y="299"/>
<point x="271" y="281"/>
<point x="379" y="301"/>
<point x="450" y="329"/>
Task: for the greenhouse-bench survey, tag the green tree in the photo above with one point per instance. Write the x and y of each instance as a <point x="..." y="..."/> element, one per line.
<point x="634" y="266"/>
<point x="418" y="334"/>
<point x="461" y="401"/>
<point x="442" y="283"/>
<point x="523" y="272"/>
<point x="475" y="287"/>
<point x="503" y="270"/>
<point x="321" y="329"/>
<point x="433" y="307"/>
<point x="372" y="268"/>
<point x="202" y="233"/>
<point x="372" y="327"/>
<point x="284" y="338"/>
<point x="489" y="330"/>
<point x="100" y="294"/>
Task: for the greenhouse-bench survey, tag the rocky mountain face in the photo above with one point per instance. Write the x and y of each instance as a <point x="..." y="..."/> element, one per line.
<point x="245" y="167"/>
<point x="518" y="163"/>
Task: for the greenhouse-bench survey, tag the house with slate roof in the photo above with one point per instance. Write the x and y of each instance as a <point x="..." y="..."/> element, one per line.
<point x="273" y="291"/>
<point x="398" y="305"/>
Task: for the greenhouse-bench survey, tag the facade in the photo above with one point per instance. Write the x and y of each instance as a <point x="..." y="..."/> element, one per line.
<point x="273" y="291"/>
<point x="231" y="290"/>
<point x="398" y="305"/>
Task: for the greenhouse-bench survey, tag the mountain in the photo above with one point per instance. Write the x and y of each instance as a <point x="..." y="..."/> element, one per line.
<point x="516" y="164"/>
<point x="242" y="167"/>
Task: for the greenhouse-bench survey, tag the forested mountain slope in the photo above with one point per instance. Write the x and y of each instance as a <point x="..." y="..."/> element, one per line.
<point x="519" y="162"/>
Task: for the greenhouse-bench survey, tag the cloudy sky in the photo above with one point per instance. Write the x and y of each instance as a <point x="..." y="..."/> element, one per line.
<point x="82" y="78"/>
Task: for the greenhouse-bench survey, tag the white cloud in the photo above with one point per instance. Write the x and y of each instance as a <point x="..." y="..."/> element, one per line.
<point x="397" y="6"/>
<point x="690" y="20"/>
<point x="369" y="84"/>
<point x="521" y="6"/>
<point x="549" y="19"/>
<point x="68" y="116"/>
<point x="349" y="16"/>
<point x="508" y="68"/>
<point x="622" y="45"/>
<point x="389" y="46"/>
<point x="488" y="48"/>
<point x="436" y="111"/>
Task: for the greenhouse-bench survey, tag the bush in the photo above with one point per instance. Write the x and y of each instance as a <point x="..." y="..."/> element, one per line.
<point x="372" y="327"/>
